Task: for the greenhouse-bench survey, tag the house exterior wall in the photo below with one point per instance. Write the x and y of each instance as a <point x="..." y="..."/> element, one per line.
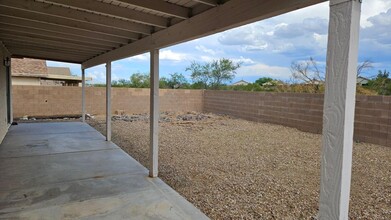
<point x="25" y="81"/>
<point x="3" y="94"/>
<point x="35" y="81"/>
<point x="43" y="101"/>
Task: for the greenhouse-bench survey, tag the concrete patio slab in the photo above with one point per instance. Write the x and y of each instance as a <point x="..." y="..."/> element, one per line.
<point x="58" y="175"/>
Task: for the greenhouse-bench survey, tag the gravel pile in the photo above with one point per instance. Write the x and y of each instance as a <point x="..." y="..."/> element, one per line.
<point x="130" y="118"/>
<point x="236" y="169"/>
<point x="164" y="117"/>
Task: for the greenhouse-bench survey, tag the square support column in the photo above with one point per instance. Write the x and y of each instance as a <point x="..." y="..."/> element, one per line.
<point x="108" y="101"/>
<point x="338" y="111"/>
<point x="11" y="109"/>
<point x="83" y="95"/>
<point x="154" y="114"/>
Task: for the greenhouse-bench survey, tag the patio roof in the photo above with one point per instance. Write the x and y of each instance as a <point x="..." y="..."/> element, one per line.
<point x="92" y="32"/>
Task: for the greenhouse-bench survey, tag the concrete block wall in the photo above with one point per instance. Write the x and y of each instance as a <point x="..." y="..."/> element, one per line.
<point x="41" y="101"/>
<point x="298" y="110"/>
<point x="373" y="120"/>
<point x="303" y="111"/>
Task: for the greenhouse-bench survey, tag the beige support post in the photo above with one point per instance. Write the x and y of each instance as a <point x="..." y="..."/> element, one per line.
<point x="338" y="112"/>
<point x="83" y="95"/>
<point x="10" y="92"/>
<point x="108" y="101"/>
<point x="154" y="114"/>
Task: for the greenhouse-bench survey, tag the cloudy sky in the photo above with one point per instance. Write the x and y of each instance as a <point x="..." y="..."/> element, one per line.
<point x="266" y="48"/>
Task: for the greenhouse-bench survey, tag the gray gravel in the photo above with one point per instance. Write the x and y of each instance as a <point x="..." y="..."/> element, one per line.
<point x="236" y="169"/>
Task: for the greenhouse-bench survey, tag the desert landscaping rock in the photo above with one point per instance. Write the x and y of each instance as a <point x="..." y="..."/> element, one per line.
<point x="236" y="169"/>
<point x="164" y="117"/>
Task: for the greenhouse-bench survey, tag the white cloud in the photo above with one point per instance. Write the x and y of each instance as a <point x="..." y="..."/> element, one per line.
<point x="173" y="56"/>
<point x="164" y="55"/>
<point x="243" y="60"/>
<point x="206" y="59"/>
<point x="321" y="39"/>
<point x="369" y="9"/>
<point x="263" y="70"/>
<point x="74" y="67"/>
<point x="62" y="64"/>
<point x="258" y="47"/>
<point x="320" y="10"/>
<point x="373" y="8"/>
<point x="141" y="57"/>
<point x="273" y="36"/>
<point x="97" y="76"/>
<point x="205" y="50"/>
<point x="252" y="35"/>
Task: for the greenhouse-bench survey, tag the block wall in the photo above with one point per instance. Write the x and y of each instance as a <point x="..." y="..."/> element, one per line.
<point x="41" y="101"/>
<point x="298" y="110"/>
<point x="303" y="111"/>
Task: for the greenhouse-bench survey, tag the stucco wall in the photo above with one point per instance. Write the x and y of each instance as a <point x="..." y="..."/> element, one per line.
<point x="25" y="81"/>
<point x="3" y="95"/>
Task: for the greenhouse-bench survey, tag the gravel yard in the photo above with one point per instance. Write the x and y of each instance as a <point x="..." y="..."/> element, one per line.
<point x="236" y="169"/>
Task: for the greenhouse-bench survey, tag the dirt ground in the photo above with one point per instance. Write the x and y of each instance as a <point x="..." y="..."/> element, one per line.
<point x="236" y="169"/>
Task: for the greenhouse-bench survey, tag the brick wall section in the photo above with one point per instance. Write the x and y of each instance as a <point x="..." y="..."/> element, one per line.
<point x="303" y="111"/>
<point x="39" y="101"/>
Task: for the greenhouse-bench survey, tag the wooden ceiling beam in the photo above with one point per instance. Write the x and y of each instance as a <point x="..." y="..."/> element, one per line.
<point x="46" y="55"/>
<point x="160" y="6"/>
<point x="53" y="58"/>
<point x="73" y="18"/>
<point x="44" y="26"/>
<point x="207" y="2"/>
<point x="11" y="42"/>
<point x="57" y="37"/>
<point x="60" y="51"/>
<point x="8" y="36"/>
<point x="113" y="10"/>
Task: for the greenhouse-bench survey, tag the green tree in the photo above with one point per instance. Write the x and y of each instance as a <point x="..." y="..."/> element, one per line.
<point x="139" y="80"/>
<point x="176" y="81"/>
<point x="120" y="83"/>
<point x="263" y="80"/>
<point x="163" y="83"/>
<point x="213" y="74"/>
<point x="382" y="83"/>
<point x="200" y="74"/>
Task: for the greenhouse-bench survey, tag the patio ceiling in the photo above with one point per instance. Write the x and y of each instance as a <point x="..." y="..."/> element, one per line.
<point x="92" y="32"/>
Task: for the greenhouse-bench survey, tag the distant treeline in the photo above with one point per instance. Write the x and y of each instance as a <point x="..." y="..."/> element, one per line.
<point x="306" y="78"/>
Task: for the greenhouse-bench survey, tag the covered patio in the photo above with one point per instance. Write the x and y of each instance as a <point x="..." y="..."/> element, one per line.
<point x="95" y="32"/>
<point x="67" y="170"/>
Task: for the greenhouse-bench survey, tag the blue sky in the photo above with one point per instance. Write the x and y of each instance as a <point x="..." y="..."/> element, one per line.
<point x="266" y="48"/>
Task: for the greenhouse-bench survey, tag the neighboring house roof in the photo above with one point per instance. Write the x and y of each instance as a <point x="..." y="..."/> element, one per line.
<point x="241" y="82"/>
<point x="65" y="71"/>
<point x="38" y="69"/>
<point x="362" y="80"/>
<point x="28" y="67"/>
